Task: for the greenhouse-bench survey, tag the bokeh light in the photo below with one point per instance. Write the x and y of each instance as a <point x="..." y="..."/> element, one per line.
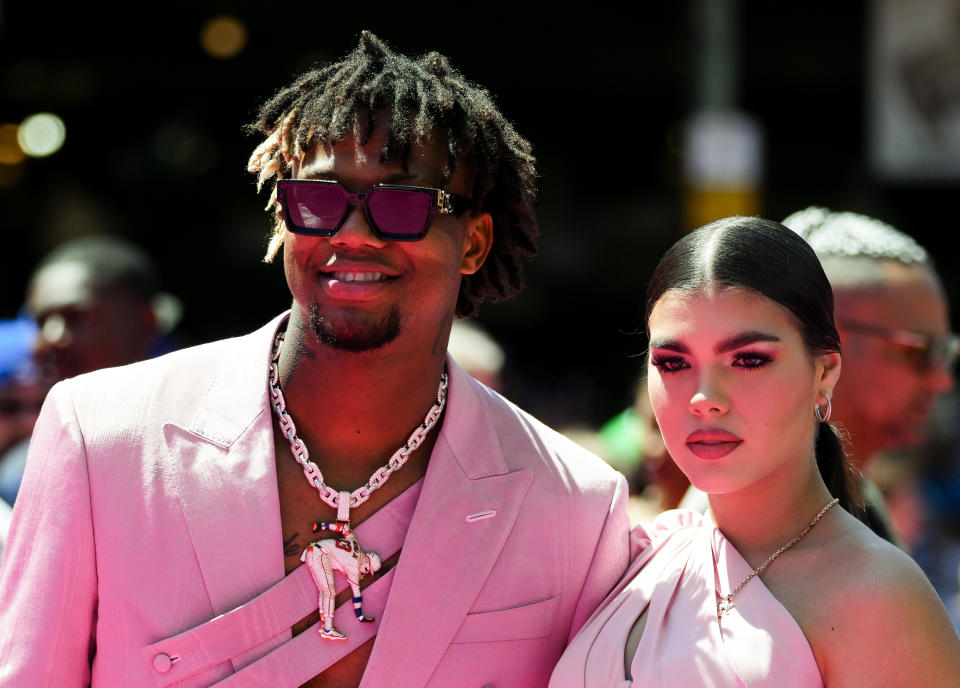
<point x="41" y="134"/>
<point x="223" y="36"/>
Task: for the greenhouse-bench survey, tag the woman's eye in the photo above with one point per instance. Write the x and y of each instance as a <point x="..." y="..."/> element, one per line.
<point x="669" y="364"/>
<point x="750" y="360"/>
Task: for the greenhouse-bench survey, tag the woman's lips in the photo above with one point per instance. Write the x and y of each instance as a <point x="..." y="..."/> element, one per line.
<point x="712" y="443"/>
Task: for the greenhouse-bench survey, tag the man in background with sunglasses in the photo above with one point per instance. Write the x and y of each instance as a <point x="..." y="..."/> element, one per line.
<point x="166" y="505"/>
<point x="893" y="319"/>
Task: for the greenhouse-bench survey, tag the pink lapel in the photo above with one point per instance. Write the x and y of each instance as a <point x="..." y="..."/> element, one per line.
<point x="227" y="478"/>
<point x="446" y="559"/>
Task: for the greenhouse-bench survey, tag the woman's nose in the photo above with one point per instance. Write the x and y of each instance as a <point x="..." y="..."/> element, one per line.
<point x="708" y="400"/>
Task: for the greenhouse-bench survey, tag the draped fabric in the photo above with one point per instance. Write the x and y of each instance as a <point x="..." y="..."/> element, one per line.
<point x="679" y="561"/>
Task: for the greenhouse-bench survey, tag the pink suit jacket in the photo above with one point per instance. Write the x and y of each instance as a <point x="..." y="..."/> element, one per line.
<point x="146" y="547"/>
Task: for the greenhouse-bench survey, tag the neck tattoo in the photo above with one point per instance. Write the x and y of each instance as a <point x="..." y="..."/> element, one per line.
<point x="344" y="554"/>
<point x="725" y="600"/>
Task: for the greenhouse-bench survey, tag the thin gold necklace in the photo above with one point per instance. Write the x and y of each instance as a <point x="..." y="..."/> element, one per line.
<point x="725" y="601"/>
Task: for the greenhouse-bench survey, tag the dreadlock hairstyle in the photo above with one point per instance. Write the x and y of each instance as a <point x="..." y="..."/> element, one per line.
<point x="423" y="97"/>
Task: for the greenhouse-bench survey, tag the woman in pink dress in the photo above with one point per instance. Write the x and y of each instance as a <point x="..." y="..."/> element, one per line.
<point x="778" y="585"/>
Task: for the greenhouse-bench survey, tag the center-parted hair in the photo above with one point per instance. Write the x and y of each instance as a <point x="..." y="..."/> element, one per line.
<point x="770" y="259"/>
<point x="424" y="98"/>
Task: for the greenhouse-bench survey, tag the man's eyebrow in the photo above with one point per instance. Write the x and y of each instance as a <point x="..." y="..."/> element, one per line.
<point x="331" y="176"/>
<point x="398" y="177"/>
<point x="318" y="175"/>
<point x="743" y="339"/>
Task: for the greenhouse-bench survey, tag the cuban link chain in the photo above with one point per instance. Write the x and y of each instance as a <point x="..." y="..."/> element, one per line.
<point x="344" y="554"/>
<point x="312" y="472"/>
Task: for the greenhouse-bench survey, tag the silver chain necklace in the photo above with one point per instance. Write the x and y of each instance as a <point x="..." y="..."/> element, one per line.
<point x="323" y="557"/>
<point x="343" y="501"/>
<point x="725" y="601"/>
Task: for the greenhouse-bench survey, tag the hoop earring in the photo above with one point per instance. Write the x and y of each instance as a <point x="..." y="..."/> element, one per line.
<point x="823" y="416"/>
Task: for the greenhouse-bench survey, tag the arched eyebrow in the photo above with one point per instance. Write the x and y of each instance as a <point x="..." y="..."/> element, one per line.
<point x="669" y="345"/>
<point x="735" y="342"/>
<point x="744" y="339"/>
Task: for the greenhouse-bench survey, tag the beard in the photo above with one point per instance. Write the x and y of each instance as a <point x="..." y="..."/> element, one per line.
<point x="357" y="335"/>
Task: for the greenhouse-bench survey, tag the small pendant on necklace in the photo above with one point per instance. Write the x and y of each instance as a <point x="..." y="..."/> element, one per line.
<point x="724" y="604"/>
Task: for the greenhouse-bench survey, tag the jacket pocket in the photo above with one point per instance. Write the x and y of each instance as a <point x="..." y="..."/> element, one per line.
<point x="535" y="620"/>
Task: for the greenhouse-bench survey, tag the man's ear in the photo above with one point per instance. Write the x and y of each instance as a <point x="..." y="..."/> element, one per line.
<point x="477" y="242"/>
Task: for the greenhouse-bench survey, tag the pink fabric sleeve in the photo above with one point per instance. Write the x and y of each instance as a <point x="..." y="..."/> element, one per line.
<point x="48" y="579"/>
<point x="610" y="558"/>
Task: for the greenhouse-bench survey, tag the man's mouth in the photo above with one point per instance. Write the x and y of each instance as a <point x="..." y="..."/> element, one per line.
<point x="359" y="276"/>
<point x="356" y="285"/>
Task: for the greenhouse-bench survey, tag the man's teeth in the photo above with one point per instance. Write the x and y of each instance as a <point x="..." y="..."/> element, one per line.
<point x="359" y="276"/>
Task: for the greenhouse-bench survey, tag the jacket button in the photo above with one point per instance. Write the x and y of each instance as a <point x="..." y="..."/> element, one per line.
<point x="162" y="663"/>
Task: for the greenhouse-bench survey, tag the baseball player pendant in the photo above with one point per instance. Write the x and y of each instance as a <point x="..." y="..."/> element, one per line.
<point x="342" y="554"/>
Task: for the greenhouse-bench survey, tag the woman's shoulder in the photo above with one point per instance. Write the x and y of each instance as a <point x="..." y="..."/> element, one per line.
<point x="869" y="573"/>
<point x="875" y="614"/>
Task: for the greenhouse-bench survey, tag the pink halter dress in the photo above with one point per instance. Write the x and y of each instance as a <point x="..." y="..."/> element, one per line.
<point x="679" y="561"/>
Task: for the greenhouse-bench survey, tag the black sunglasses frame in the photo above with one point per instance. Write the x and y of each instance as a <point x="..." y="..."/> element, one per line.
<point x="442" y="202"/>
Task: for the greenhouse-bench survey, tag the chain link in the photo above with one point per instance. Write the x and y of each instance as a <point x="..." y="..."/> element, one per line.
<point x="312" y="471"/>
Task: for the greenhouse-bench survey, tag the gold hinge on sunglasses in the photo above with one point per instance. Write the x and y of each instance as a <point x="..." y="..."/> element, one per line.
<point x="444" y="201"/>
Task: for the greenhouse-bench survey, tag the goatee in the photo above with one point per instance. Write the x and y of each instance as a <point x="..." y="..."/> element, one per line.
<point x="358" y="335"/>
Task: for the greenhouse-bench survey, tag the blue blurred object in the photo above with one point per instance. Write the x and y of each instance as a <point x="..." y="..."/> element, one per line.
<point x="16" y="341"/>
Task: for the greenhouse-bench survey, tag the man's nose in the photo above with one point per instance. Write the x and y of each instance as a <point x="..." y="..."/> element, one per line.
<point x="356" y="230"/>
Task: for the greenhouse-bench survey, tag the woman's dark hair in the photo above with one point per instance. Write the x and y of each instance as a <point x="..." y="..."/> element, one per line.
<point x="767" y="258"/>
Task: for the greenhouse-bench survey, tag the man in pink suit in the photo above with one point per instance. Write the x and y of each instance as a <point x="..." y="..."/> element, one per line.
<point x="165" y="505"/>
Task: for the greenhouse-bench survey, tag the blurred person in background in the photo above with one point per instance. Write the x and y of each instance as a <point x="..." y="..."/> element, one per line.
<point x="923" y="492"/>
<point x="477" y="352"/>
<point x="631" y="442"/>
<point x="893" y="318"/>
<point x="97" y="305"/>
<point x="21" y="394"/>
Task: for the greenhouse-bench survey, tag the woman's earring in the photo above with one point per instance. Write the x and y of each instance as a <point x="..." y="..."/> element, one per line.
<point x="823" y="415"/>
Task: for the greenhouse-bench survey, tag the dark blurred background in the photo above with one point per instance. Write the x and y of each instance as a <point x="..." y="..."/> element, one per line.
<point x="153" y="101"/>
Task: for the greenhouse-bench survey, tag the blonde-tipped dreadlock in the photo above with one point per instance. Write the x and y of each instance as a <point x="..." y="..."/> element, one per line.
<point x="424" y="97"/>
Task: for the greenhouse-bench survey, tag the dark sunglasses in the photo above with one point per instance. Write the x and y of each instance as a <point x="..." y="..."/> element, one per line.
<point x="397" y="213"/>
<point x="919" y="350"/>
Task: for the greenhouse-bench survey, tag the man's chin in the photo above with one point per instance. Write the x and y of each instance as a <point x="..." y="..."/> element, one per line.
<point x="355" y="335"/>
